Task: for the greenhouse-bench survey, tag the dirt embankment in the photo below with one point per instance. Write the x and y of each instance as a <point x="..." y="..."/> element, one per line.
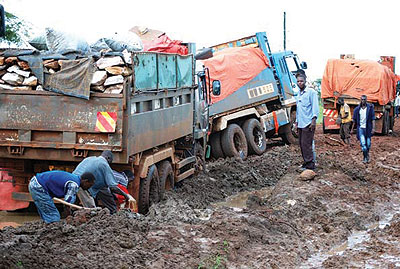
<point x="284" y="222"/>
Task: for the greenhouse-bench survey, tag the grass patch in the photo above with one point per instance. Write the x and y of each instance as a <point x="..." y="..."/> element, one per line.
<point x="218" y="260"/>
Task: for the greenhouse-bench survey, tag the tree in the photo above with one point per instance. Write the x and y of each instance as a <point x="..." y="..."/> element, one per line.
<point x="17" y="30"/>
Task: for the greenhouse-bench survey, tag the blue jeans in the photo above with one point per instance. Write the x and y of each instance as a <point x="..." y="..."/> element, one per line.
<point x="43" y="201"/>
<point x="397" y="109"/>
<point x="365" y="142"/>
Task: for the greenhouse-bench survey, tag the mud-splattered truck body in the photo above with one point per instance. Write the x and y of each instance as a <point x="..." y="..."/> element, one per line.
<point x="252" y="110"/>
<point x="148" y="126"/>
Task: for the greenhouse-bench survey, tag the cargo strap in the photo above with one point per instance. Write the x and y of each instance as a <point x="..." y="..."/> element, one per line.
<point x="275" y="121"/>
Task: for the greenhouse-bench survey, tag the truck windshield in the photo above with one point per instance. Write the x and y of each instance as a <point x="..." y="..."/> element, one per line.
<point x="292" y="65"/>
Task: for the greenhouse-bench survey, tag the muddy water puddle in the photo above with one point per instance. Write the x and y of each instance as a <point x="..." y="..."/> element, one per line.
<point x="15" y="219"/>
<point x="357" y="241"/>
<point x="239" y="201"/>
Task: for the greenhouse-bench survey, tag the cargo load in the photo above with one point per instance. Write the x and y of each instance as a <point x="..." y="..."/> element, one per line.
<point x="234" y="67"/>
<point x="350" y="79"/>
<point x="357" y="77"/>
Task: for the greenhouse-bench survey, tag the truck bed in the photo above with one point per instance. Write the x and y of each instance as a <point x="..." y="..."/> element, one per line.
<point x="154" y="108"/>
<point x="46" y="125"/>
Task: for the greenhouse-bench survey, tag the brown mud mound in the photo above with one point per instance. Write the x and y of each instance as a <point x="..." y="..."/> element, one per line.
<point x="294" y="224"/>
<point x="81" y="241"/>
<point x="225" y="177"/>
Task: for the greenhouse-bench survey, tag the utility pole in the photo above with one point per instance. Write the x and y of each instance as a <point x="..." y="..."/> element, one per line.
<point x="284" y="30"/>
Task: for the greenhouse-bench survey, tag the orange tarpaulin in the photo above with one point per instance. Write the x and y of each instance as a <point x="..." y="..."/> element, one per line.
<point x="358" y="77"/>
<point x="234" y="67"/>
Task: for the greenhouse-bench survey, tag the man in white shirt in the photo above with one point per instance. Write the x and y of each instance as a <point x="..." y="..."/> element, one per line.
<point x="397" y="105"/>
<point x="364" y="122"/>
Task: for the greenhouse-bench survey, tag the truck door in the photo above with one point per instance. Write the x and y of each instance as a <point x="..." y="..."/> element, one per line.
<point x="283" y="75"/>
<point x="288" y="66"/>
<point x="201" y="107"/>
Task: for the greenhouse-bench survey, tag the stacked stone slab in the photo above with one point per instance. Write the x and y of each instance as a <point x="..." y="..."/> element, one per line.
<point x="111" y="72"/>
<point x="110" y="75"/>
<point x="16" y="75"/>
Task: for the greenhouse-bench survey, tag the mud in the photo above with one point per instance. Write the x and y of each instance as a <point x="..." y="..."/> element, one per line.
<point x="255" y="213"/>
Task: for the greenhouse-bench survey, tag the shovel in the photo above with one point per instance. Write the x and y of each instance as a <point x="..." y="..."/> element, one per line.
<point x="73" y="205"/>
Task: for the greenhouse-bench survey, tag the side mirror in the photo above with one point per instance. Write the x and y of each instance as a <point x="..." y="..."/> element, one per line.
<point x="2" y="22"/>
<point x="216" y="87"/>
<point x="303" y="65"/>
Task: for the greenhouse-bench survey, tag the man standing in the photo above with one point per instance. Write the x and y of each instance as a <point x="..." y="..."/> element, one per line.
<point x="345" y="123"/>
<point x="105" y="184"/>
<point x="306" y="120"/>
<point x="397" y="105"/>
<point x="60" y="184"/>
<point x="364" y="121"/>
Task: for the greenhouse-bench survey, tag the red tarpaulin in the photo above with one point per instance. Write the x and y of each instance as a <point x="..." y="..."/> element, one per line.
<point x="234" y="67"/>
<point x="358" y="77"/>
<point x="164" y="44"/>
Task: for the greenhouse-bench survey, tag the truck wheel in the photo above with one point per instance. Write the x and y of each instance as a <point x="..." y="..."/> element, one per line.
<point x="216" y="149"/>
<point x="233" y="142"/>
<point x="292" y="122"/>
<point x="386" y="122"/>
<point x="149" y="190"/>
<point x="255" y="136"/>
<point x="200" y="157"/>
<point x="287" y="135"/>
<point x="166" y="177"/>
<point x="323" y="125"/>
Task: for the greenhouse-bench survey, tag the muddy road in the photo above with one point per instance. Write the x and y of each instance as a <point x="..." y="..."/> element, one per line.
<point x="241" y="214"/>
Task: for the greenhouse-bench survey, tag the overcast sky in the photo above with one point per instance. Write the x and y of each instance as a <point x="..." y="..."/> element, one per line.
<point x="316" y="30"/>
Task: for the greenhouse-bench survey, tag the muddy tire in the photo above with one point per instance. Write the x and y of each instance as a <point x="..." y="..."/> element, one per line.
<point x="323" y="125"/>
<point x="287" y="134"/>
<point x="233" y="142"/>
<point x="200" y="158"/>
<point x="167" y="180"/>
<point x="149" y="191"/>
<point x="386" y="122"/>
<point x="255" y="136"/>
<point x="216" y="149"/>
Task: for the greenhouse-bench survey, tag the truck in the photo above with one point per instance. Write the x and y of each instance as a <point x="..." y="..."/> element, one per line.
<point x="249" y="111"/>
<point x="351" y="78"/>
<point x="151" y="126"/>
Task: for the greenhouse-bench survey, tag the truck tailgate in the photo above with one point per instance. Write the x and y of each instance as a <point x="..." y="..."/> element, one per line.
<point x="44" y="120"/>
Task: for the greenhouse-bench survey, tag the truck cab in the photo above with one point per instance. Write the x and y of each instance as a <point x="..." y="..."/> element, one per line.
<point x="260" y="103"/>
<point x="286" y="64"/>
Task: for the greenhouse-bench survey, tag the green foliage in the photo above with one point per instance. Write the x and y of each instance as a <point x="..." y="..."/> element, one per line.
<point x="16" y="29"/>
<point x="226" y="246"/>
<point x="218" y="260"/>
<point x="217" y="263"/>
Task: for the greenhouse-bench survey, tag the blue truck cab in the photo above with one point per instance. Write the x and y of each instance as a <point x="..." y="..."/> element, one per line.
<point x="263" y="107"/>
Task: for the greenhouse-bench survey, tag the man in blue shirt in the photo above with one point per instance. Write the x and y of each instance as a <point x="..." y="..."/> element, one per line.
<point x="306" y="120"/>
<point x="364" y="122"/>
<point x="60" y="184"/>
<point x="105" y="183"/>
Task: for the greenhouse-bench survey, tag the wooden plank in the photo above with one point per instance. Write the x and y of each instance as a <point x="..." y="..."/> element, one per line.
<point x="186" y="161"/>
<point x="185" y="174"/>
